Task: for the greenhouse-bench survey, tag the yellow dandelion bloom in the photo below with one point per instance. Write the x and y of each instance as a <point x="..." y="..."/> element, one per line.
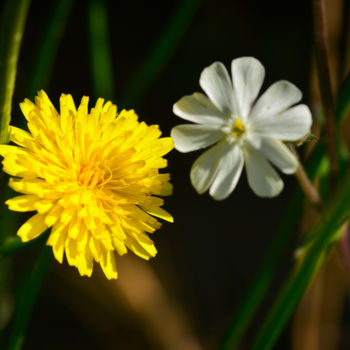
<point x="91" y="177"/>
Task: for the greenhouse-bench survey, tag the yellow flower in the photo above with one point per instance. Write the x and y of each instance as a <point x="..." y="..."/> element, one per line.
<point x="91" y="177"/>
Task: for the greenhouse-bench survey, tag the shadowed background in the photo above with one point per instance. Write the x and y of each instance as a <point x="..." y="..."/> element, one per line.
<point x="207" y="258"/>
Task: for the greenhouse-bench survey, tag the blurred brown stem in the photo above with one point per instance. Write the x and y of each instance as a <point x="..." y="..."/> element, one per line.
<point x="344" y="248"/>
<point x="343" y="41"/>
<point x="308" y="188"/>
<point x="328" y="105"/>
<point x="147" y="297"/>
<point x="321" y="49"/>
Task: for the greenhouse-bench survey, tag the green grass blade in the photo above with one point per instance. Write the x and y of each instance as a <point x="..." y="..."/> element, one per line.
<point x="335" y="215"/>
<point x="160" y="54"/>
<point x="14" y="244"/>
<point x="260" y="284"/>
<point x="101" y="60"/>
<point x="26" y="297"/>
<point x="40" y="78"/>
<point x="343" y="103"/>
<point x="264" y="276"/>
<point x="13" y="21"/>
<point x="311" y="238"/>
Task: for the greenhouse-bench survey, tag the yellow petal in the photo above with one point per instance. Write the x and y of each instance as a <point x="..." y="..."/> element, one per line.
<point x="108" y="264"/>
<point x="119" y="246"/>
<point x="158" y="212"/>
<point x="95" y="248"/>
<point x="57" y="240"/>
<point x="85" y="263"/>
<point x="27" y="106"/>
<point x="33" y="186"/>
<point x="22" y="203"/>
<point x="53" y="215"/>
<point x="32" y="228"/>
<point x="72" y="252"/>
<point x="43" y="206"/>
<point x="143" y="251"/>
<point x="21" y="137"/>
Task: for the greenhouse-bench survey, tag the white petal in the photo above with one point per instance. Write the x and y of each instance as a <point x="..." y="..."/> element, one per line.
<point x="247" y="76"/>
<point x="279" y="155"/>
<point x="189" y="137"/>
<point x="205" y="167"/>
<point x="290" y="125"/>
<point x="262" y="178"/>
<point x="199" y="109"/>
<point x="216" y="83"/>
<point x="278" y="97"/>
<point x="229" y="170"/>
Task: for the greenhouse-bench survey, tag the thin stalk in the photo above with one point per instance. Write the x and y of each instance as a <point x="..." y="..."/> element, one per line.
<point x="306" y="185"/>
<point x="344" y="249"/>
<point x="294" y="287"/>
<point x="100" y="53"/>
<point x="30" y="284"/>
<point x="262" y="281"/>
<point x="321" y="48"/>
<point x="343" y="41"/>
<point x="40" y="76"/>
<point x="13" y="21"/>
<point x="328" y="104"/>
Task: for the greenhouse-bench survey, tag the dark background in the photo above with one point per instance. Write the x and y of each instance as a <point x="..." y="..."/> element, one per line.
<point x="208" y="256"/>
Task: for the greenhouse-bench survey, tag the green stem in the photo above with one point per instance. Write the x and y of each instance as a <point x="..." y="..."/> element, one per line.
<point x="102" y="68"/>
<point x="343" y="41"/>
<point x="26" y="297"/>
<point x="14" y="244"/>
<point x="295" y="286"/>
<point x="40" y="76"/>
<point x="321" y="48"/>
<point x="262" y="281"/>
<point x="264" y="276"/>
<point x="328" y="104"/>
<point x="160" y="54"/>
<point x="306" y="185"/>
<point x="30" y="284"/>
<point x="13" y="21"/>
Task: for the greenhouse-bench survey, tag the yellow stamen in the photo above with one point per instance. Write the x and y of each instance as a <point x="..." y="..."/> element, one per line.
<point x="238" y="128"/>
<point x="90" y="175"/>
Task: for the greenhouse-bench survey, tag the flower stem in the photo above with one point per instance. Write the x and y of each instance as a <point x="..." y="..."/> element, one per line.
<point x="306" y="185"/>
<point x="100" y="51"/>
<point x="343" y="40"/>
<point x="14" y="244"/>
<point x="344" y="248"/>
<point x="13" y="20"/>
<point x="328" y="105"/>
<point x="321" y="49"/>
<point x="160" y="54"/>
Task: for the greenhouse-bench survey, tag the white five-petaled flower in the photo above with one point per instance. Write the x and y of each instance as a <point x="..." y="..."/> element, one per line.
<point x="242" y="128"/>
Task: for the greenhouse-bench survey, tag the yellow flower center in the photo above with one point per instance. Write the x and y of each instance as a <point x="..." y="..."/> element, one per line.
<point x="238" y="128"/>
<point x="91" y="175"/>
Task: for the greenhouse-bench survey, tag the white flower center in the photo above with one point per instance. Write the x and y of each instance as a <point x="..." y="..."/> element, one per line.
<point x="238" y="128"/>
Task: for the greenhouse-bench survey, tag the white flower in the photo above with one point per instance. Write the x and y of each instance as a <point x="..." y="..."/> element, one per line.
<point x="243" y="129"/>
